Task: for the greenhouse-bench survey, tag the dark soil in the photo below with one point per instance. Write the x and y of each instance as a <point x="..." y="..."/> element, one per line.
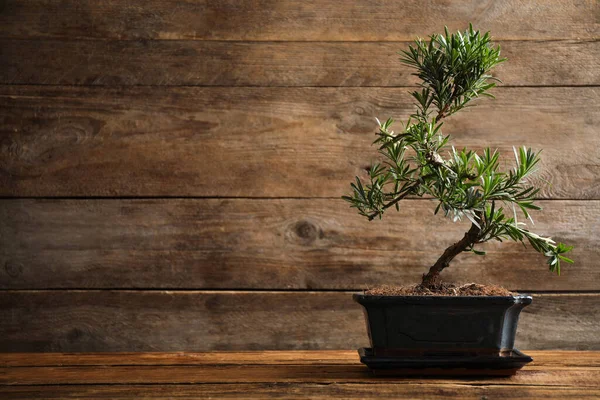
<point x="441" y="289"/>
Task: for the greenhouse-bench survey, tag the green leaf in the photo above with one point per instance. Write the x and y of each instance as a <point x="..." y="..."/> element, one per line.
<point x="454" y="69"/>
<point x="566" y="259"/>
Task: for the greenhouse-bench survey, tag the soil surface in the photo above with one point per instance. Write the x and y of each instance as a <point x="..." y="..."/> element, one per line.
<point x="441" y="289"/>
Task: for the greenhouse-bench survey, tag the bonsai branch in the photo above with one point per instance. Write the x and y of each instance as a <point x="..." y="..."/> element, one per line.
<point x="408" y="191"/>
<point x="470" y="238"/>
<point x="442" y="113"/>
<point x="454" y="70"/>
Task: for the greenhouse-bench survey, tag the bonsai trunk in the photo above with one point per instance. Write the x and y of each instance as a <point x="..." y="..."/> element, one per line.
<point x="432" y="278"/>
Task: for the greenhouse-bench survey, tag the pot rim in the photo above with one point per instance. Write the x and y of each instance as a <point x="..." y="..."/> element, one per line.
<point x="361" y="298"/>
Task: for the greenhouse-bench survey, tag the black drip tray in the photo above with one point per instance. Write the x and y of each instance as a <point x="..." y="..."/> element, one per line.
<point x="436" y="365"/>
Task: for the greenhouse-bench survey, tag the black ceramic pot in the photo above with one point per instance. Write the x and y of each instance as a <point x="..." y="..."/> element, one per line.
<point x="431" y="326"/>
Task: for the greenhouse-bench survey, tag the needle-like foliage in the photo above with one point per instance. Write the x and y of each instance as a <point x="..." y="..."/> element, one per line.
<point x="454" y="69"/>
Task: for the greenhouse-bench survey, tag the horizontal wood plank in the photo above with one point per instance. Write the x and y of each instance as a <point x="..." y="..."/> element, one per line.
<point x="295" y="19"/>
<point x="270" y="244"/>
<point x="276" y="374"/>
<point x="550" y="358"/>
<point x="580" y="377"/>
<point x="67" y="321"/>
<point x="265" y="142"/>
<point x="334" y="390"/>
<point x="269" y="357"/>
<point x="298" y="391"/>
<point x="271" y="63"/>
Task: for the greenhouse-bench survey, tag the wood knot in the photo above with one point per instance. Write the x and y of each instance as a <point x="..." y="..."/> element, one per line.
<point x="13" y="269"/>
<point x="306" y="232"/>
<point x="75" y="334"/>
<point x="359" y="110"/>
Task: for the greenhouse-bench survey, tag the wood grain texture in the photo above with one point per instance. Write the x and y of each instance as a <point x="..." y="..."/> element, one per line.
<point x="288" y="390"/>
<point x="373" y="20"/>
<point x="208" y="63"/>
<point x="283" y="153"/>
<point x="67" y="321"/>
<point x="542" y="358"/>
<point x="334" y="390"/>
<point x="270" y="244"/>
<point x="266" y="142"/>
<point x="267" y="357"/>
<point x="355" y="373"/>
<point x="277" y="374"/>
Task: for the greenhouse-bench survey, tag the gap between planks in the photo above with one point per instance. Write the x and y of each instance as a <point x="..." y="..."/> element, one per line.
<point x="547" y="293"/>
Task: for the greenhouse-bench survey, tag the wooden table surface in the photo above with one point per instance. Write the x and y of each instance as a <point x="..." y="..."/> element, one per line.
<point x="278" y="374"/>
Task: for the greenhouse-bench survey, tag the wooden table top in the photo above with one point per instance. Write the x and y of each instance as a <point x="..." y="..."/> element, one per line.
<point x="278" y="374"/>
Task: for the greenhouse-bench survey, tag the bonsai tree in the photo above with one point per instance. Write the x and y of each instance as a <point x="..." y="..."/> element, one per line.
<point x="454" y="70"/>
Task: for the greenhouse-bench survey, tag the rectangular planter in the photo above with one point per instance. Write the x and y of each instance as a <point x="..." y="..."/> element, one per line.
<point x="442" y="326"/>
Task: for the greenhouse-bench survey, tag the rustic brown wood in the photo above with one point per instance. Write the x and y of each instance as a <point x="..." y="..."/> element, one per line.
<point x="269" y="142"/>
<point x="291" y="374"/>
<point x="353" y="373"/>
<point x="546" y="317"/>
<point x="373" y="390"/>
<point x="270" y="244"/>
<point x="199" y="321"/>
<point x="295" y="20"/>
<point x="550" y="358"/>
<point x="581" y="377"/>
<point x="284" y="142"/>
<point x="272" y="357"/>
<point x="271" y="63"/>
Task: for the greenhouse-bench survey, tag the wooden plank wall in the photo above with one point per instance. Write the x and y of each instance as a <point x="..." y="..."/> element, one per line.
<point x="170" y="171"/>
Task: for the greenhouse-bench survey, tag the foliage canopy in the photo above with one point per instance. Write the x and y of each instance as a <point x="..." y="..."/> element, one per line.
<point x="454" y="69"/>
